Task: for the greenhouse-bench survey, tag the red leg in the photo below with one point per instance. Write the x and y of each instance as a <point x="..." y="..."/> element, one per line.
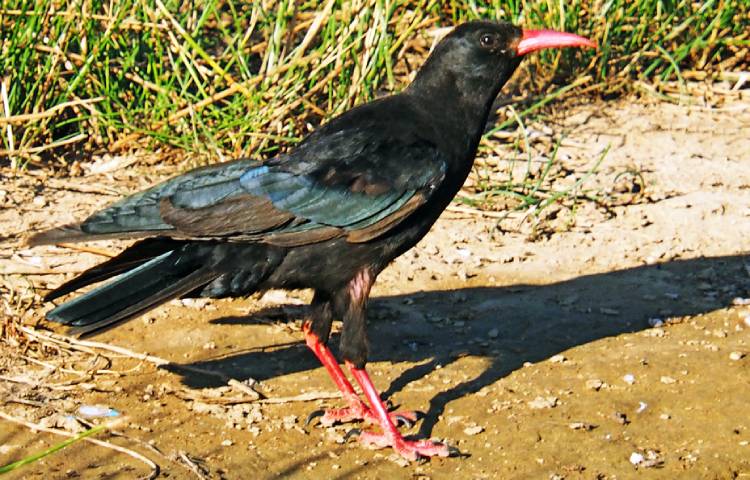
<point x="356" y="410"/>
<point x="356" y="407"/>
<point x="409" y="449"/>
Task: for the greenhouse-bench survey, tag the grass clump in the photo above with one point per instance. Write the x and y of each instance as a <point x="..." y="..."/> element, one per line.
<point x="231" y="78"/>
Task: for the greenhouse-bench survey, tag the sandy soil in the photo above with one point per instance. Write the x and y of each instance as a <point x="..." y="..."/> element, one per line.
<point x="609" y="341"/>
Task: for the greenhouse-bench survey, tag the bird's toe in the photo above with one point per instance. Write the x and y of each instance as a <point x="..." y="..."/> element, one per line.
<point x="313" y="416"/>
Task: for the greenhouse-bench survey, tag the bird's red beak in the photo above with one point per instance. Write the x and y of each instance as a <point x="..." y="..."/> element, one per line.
<point x="533" y="40"/>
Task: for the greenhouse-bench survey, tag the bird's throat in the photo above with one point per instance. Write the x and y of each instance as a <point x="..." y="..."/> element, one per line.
<point x="458" y="106"/>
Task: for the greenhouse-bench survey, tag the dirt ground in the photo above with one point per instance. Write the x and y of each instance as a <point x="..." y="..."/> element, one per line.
<point x="611" y="341"/>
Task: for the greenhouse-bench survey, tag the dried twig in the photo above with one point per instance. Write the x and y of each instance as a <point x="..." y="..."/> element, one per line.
<point x="83" y="248"/>
<point x="33" y="383"/>
<point x="6" y="111"/>
<point x="304" y="397"/>
<point x="476" y="211"/>
<point x="24" y="270"/>
<point x="199" y="470"/>
<point x="241" y="386"/>
<point x="192" y="397"/>
<point x="23" y="401"/>
<point x="320" y="17"/>
<point x="28" y="117"/>
<point x="29" y="151"/>
<point x="83" y="188"/>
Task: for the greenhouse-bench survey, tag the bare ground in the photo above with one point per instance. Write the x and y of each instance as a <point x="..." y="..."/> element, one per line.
<point x="533" y="351"/>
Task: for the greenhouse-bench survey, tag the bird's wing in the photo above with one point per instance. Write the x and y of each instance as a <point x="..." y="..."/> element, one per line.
<point x="352" y="187"/>
<point x="360" y="187"/>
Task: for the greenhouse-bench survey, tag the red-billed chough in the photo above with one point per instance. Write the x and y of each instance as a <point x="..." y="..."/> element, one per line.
<point x="329" y="215"/>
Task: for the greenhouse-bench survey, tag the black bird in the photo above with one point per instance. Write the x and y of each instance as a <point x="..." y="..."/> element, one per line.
<point x="330" y="215"/>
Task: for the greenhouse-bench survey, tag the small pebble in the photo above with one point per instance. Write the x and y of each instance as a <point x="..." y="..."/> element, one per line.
<point x="398" y="460"/>
<point x="581" y="426"/>
<point x="629" y="379"/>
<point x="621" y="418"/>
<point x="656" y="322"/>
<point x="543" y="402"/>
<point x="226" y="443"/>
<point x="636" y="458"/>
<point x="289" y="421"/>
<point x="559" y="358"/>
<point x="667" y="380"/>
<point x="94" y="411"/>
<point x="739" y="301"/>
<point x="594" y="384"/>
<point x="494" y="333"/>
<point x="736" y="356"/>
<point x="475" y="430"/>
<point x="665" y="416"/>
<point x="194" y="302"/>
<point x="746" y="320"/>
<point x="641" y="407"/>
<point x="654" y="332"/>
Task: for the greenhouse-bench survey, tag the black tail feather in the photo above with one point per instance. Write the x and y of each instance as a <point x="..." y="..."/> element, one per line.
<point x="135" y="256"/>
<point x="72" y="234"/>
<point x="156" y="281"/>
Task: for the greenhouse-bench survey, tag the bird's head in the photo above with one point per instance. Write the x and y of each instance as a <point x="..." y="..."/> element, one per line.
<point x="476" y="59"/>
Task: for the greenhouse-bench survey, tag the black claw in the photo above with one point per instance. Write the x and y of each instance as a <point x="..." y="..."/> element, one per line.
<point x="419" y="414"/>
<point x="401" y="420"/>
<point x="454" y="452"/>
<point x="313" y="416"/>
<point x="354" y="432"/>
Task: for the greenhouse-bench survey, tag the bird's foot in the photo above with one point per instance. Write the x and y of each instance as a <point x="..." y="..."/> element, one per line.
<point x="360" y="412"/>
<point x="390" y="437"/>
<point x="411" y="450"/>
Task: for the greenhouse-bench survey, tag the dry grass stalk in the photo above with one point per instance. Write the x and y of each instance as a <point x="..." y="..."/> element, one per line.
<point x="38" y="427"/>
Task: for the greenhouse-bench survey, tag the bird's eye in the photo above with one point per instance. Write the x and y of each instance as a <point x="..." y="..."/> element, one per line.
<point x="487" y="40"/>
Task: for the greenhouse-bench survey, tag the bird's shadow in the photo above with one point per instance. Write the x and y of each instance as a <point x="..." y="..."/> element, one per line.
<point x="507" y="325"/>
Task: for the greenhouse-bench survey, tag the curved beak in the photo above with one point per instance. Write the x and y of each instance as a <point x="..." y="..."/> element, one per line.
<point x="533" y="40"/>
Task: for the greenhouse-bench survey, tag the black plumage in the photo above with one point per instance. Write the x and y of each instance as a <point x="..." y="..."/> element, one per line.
<point x="329" y="215"/>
